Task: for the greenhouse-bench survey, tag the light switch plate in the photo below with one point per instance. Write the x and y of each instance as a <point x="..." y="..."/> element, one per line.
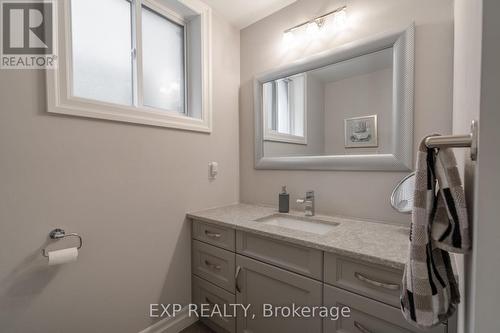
<point x="213" y="170"/>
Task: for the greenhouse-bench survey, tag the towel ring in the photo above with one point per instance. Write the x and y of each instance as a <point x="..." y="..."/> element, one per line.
<point x="58" y="234"/>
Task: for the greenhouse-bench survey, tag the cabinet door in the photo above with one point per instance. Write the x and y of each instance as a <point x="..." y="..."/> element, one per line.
<point x="258" y="284"/>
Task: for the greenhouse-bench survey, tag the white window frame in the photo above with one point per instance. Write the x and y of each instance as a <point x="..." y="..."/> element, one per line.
<point x="61" y="100"/>
<point x="272" y="135"/>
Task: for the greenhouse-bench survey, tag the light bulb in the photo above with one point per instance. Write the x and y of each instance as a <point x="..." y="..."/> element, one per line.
<point x="312" y="29"/>
<point x="340" y="19"/>
<point x="288" y="38"/>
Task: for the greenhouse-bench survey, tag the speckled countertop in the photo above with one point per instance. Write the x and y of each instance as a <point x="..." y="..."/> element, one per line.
<point x="377" y="242"/>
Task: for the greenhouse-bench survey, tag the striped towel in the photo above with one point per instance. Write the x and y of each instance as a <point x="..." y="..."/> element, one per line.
<point x="439" y="224"/>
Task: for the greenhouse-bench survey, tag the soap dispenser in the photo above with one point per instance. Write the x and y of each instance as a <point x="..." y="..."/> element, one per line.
<point x="284" y="201"/>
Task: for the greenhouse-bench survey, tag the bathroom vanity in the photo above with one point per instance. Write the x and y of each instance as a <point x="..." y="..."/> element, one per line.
<point x="253" y="255"/>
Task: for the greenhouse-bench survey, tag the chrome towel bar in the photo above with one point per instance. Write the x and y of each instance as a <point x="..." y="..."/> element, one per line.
<point x="58" y="234"/>
<point x="456" y="141"/>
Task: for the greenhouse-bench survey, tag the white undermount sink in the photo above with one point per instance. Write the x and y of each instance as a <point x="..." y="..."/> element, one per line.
<point x="299" y="223"/>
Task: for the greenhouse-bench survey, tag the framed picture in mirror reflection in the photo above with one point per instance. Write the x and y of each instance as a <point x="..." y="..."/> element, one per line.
<point x="361" y="132"/>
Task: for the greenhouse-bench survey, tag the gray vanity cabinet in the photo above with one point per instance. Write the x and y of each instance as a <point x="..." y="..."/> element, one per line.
<point x="373" y="281"/>
<point x="367" y="315"/>
<point x="231" y="265"/>
<point x="213" y="264"/>
<point x="292" y="257"/>
<point x="205" y="292"/>
<point x="215" y="235"/>
<point x="258" y="283"/>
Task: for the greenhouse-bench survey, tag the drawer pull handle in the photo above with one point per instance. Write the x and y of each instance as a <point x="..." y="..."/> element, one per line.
<point x="213" y="266"/>
<point x="238" y="269"/>
<point x="389" y="286"/>
<point x="212" y="234"/>
<point x="361" y="328"/>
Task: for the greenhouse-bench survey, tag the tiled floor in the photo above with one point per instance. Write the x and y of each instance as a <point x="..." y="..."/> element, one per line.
<point x="197" y="327"/>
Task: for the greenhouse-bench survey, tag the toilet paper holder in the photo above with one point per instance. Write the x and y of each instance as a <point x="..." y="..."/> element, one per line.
<point x="58" y="234"/>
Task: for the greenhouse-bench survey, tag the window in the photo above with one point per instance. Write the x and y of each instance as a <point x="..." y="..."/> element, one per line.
<point x="135" y="61"/>
<point x="102" y="57"/>
<point x="164" y="69"/>
<point x="284" y="110"/>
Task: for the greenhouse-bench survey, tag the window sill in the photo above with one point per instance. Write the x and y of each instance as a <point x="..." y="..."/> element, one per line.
<point x="285" y="138"/>
<point x="146" y="116"/>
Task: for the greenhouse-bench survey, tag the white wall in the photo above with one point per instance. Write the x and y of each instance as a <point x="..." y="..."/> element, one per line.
<point x="476" y="82"/>
<point x="338" y="192"/>
<point x="466" y="101"/>
<point x="125" y="188"/>
<point x="477" y="78"/>
<point x="486" y="253"/>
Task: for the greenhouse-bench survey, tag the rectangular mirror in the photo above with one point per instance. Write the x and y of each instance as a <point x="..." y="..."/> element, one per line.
<point x="348" y="109"/>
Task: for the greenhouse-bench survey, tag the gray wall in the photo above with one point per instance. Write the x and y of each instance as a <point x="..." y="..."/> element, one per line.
<point x="358" y="96"/>
<point x="315" y="115"/>
<point x="125" y="188"/>
<point x="338" y="192"/>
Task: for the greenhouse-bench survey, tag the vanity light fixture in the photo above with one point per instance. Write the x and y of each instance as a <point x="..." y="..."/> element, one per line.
<point x="314" y="25"/>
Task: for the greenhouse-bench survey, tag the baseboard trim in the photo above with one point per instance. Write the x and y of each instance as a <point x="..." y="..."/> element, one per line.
<point x="172" y="324"/>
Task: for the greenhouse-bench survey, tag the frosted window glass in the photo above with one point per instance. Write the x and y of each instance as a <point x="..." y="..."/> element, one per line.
<point x="102" y="44"/>
<point x="163" y="62"/>
<point x="283" y="106"/>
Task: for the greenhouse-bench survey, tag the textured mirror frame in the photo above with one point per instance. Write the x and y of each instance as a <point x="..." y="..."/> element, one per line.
<point x="401" y="156"/>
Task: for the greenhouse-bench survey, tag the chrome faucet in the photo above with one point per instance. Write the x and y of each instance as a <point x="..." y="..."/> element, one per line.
<point x="308" y="202"/>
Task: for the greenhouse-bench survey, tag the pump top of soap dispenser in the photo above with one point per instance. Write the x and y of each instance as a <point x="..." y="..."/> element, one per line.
<point x="283" y="189"/>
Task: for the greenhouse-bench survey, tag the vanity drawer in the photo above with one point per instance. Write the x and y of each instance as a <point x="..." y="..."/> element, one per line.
<point x="214" y="234"/>
<point x="295" y="258"/>
<point x="214" y="264"/>
<point x="374" y="281"/>
<point x="367" y="316"/>
<point x="206" y="293"/>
